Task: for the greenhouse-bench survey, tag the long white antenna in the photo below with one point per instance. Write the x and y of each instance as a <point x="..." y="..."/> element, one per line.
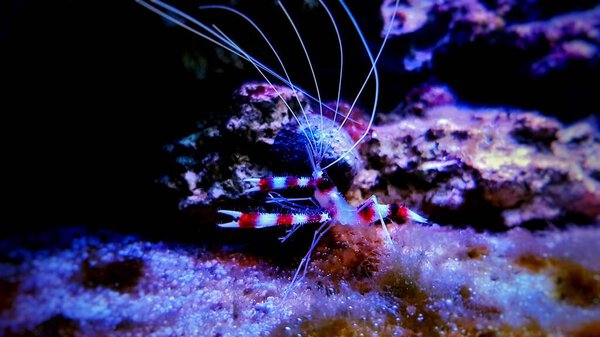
<point x="312" y="70"/>
<point x="372" y="71"/>
<point x="223" y="42"/>
<point x="339" y="91"/>
<point x="295" y="92"/>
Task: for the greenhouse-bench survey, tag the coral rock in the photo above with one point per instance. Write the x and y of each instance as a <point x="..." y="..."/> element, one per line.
<point x="489" y="168"/>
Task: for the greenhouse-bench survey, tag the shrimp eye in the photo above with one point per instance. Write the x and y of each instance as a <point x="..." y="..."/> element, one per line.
<point x="325" y="185"/>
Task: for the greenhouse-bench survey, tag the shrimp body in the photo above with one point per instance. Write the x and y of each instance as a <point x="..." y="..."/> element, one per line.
<point x="318" y="135"/>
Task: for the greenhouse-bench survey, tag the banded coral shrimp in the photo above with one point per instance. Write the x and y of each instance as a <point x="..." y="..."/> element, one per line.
<point x="318" y="138"/>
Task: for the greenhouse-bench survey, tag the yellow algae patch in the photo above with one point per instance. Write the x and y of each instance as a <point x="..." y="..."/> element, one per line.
<point x="574" y="284"/>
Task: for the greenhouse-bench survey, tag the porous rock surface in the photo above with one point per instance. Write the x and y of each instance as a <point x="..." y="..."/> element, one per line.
<point x="488" y="168"/>
<point x="210" y="165"/>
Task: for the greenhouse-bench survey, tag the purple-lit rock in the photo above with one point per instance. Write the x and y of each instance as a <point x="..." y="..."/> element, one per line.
<point x="559" y="35"/>
<point x="535" y="54"/>
<point x="490" y="168"/>
<point x="211" y="165"/>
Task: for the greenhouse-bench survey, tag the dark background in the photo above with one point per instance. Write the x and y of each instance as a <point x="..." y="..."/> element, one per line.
<point x="92" y="91"/>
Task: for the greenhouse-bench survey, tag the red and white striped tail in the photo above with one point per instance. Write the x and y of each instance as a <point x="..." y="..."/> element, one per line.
<point x="262" y="220"/>
<point x="397" y="213"/>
